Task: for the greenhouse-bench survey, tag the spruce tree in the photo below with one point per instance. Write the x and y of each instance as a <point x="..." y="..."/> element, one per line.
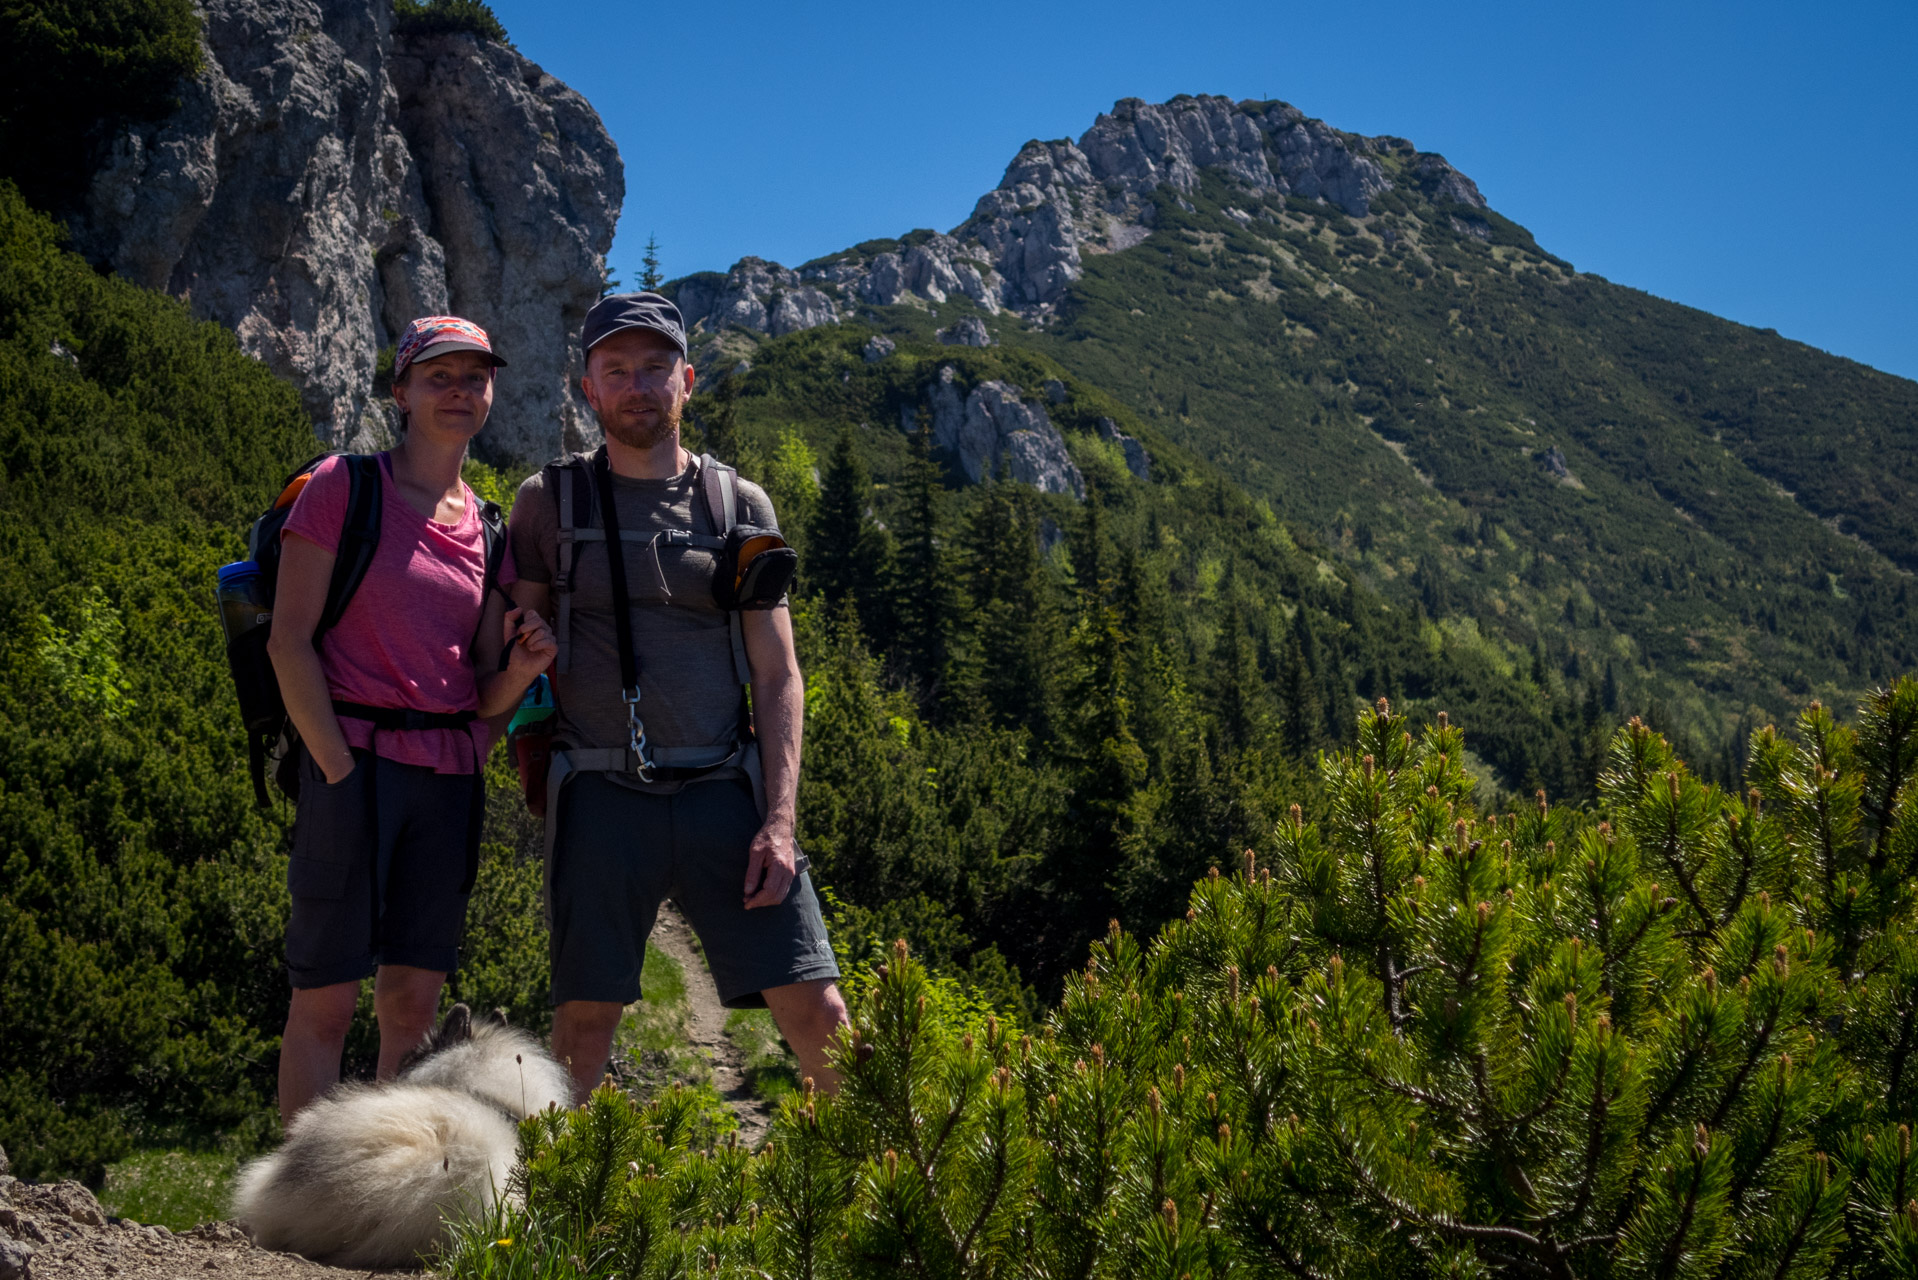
<point x="924" y="590"/>
<point x="851" y="554"/>
<point x="649" y="273"/>
<point x="1010" y="667"/>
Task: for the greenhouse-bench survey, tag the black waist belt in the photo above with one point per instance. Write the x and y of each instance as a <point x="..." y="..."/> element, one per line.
<point x="404" y="717"/>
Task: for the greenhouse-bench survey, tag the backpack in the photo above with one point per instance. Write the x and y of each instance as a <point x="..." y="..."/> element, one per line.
<point x="269" y="733"/>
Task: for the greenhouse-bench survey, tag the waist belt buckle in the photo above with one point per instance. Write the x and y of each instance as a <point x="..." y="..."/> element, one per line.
<point x="415" y="720"/>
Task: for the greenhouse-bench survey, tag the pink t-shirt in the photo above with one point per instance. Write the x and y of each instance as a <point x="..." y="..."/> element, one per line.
<point x="403" y="639"/>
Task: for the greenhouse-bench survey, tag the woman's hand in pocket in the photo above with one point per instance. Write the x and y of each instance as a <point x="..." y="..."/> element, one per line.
<point x="338" y="769"/>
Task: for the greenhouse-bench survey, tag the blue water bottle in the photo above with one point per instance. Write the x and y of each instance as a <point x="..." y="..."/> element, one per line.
<point x="240" y="592"/>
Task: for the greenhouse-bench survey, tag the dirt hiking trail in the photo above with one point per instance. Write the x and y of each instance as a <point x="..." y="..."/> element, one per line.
<point x="706" y="1028"/>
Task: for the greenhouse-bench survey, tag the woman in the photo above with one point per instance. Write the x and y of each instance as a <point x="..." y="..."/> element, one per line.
<point x="387" y="824"/>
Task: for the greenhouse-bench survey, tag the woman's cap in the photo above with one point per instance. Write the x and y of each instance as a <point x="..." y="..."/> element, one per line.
<point x="632" y="311"/>
<point x="431" y="336"/>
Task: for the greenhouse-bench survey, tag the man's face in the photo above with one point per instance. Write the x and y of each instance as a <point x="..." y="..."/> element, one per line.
<point x="637" y="382"/>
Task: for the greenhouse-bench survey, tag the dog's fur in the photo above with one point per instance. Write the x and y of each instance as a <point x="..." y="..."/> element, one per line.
<point x="369" y="1173"/>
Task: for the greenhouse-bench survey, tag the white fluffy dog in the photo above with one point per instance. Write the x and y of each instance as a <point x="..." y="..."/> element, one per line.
<point x="369" y="1172"/>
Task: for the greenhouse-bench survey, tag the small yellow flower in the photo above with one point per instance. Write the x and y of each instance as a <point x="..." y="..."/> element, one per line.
<point x="507" y="1243"/>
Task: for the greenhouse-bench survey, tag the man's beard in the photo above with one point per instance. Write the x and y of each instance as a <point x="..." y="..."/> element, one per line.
<point x="643" y="435"/>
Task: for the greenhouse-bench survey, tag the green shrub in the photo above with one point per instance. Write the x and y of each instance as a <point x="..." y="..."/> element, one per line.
<point x="1670" y="1038"/>
<point x="448" y="17"/>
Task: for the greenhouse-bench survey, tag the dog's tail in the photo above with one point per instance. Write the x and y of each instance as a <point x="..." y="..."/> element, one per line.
<point x="368" y="1175"/>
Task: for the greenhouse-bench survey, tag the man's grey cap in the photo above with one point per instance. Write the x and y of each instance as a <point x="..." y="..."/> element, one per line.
<point x="621" y="311"/>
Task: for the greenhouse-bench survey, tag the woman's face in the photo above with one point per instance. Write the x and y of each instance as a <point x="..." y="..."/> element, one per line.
<point x="447" y="395"/>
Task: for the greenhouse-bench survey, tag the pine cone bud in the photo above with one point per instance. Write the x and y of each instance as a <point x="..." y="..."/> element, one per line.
<point x="1298" y="818"/>
<point x="1250" y="863"/>
<point x="1367" y="766"/>
<point x="1170" y="1212"/>
<point x="1154" y="1101"/>
<point x="892" y="1163"/>
<point x="1212" y="873"/>
<point x="1232" y="983"/>
<point x="1444" y="719"/>
<point x="1781" y="961"/>
<point x="1710" y="979"/>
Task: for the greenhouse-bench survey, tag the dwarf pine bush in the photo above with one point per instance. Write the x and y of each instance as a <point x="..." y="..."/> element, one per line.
<point x="1669" y="1039"/>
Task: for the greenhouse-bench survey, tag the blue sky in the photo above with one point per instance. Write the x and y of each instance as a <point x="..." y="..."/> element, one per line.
<point x="1758" y="160"/>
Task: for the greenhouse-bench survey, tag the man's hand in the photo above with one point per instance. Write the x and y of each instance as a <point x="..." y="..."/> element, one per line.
<point x="771" y="865"/>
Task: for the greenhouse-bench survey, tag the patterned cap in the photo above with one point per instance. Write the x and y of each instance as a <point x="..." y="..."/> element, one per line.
<point x="431" y="336"/>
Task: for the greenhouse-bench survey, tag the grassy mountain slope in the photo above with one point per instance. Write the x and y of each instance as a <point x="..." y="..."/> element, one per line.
<point x="1401" y="403"/>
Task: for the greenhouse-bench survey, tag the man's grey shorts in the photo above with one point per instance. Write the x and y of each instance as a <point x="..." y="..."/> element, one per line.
<point x="619" y="852"/>
<point x="380" y="870"/>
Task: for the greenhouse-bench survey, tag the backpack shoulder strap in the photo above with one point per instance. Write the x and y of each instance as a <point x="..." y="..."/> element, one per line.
<point x="573" y="492"/>
<point x="359" y="538"/>
<point x="493" y="540"/>
<point x="720" y="485"/>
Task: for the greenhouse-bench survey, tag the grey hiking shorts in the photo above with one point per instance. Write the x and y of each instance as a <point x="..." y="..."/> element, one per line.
<point x="619" y="852"/>
<point x="381" y="869"/>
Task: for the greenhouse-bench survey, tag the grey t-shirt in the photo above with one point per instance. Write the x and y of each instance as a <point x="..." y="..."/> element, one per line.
<point x="690" y="692"/>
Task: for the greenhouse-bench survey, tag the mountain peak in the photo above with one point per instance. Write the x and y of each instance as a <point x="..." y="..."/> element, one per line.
<point x="1025" y="242"/>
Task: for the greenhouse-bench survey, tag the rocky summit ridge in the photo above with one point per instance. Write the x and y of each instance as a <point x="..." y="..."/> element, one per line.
<point x="326" y="179"/>
<point x="1027" y="239"/>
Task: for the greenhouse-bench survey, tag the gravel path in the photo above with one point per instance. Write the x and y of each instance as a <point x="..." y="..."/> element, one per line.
<point x="707" y="1029"/>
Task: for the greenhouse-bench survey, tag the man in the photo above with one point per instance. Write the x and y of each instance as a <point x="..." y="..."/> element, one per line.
<point x="652" y="793"/>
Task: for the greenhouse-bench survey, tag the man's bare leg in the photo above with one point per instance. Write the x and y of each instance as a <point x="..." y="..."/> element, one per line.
<point x="583" y="1032"/>
<point x="406" y="1001"/>
<point x="808" y="1014"/>
<point x="316" y="1025"/>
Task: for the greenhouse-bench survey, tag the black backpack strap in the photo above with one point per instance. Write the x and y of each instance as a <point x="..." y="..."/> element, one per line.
<point x="572" y="488"/>
<point x="720" y="485"/>
<point x="359" y="538"/>
<point x="493" y="537"/>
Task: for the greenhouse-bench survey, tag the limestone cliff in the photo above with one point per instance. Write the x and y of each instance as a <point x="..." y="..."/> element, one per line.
<point x="324" y="181"/>
<point x="1025" y="242"/>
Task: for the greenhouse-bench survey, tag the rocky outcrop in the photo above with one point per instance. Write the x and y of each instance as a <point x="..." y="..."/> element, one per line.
<point x="992" y="425"/>
<point x="323" y="182"/>
<point x="1137" y="460"/>
<point x="878" y="347"/>
<point x="1026" y="240"/>
<point x="968" y="332"/>
<point x="523" y="185"/>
